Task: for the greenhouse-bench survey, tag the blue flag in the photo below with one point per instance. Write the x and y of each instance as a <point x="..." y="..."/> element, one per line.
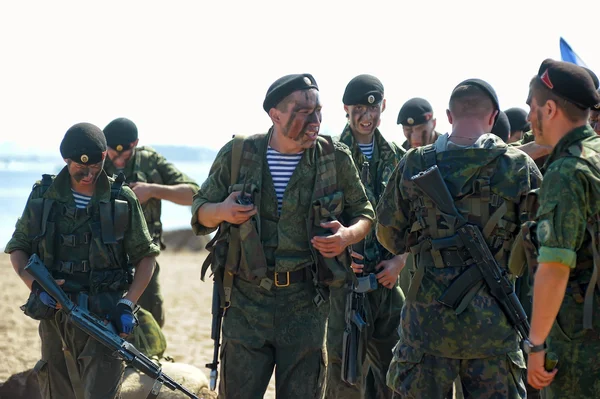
<point x="568" y="55"/>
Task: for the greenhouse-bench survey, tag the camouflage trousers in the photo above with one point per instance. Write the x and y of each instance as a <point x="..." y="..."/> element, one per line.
<point x="382" y="309"/>
<point x="152" y="299"/>
<point x="280" y="329"/>
<point x="414" y="374"/>
<point x="578" y="373"/>
<point x="84" y="369"/>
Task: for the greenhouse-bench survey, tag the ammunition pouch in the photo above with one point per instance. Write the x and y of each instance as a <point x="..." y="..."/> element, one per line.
<point x="36" y="309"/>
<point x="114" y="280"/>
<point x="148" y="336"/>
<point x="330" y="271"/>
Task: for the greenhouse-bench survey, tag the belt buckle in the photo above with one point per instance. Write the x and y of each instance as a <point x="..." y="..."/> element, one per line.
<point x="287" y="278"/>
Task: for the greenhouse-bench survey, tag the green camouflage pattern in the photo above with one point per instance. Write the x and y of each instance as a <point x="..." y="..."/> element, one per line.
<point x="382" y="311"/>
<point x="100" y="373"/>
<point x="148" y="337"/>
<point x="383" y="306"/>
<point x="284" y="236"/>
<point x="136" y="243"/>
<point x="419" y="375"/>
<point x="527" y="137"/>
<point x="278" y="327"/>
<point x="427" y="327"/>
<point x="568" y="199"/>
<point x="148" y="166"/>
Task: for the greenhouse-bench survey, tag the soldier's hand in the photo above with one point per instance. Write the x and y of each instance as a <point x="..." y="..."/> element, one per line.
<point x="143" y="191"/>
<point x="46" y="298"/>
<point x="537" y="376"/>
<point x="234" y="213"/>
<point x="389" y="270"/>
<point x="332" y="245"/>
<point x="356" y="267"/>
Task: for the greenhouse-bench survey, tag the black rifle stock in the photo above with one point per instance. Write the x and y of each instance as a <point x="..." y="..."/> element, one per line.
<point x="485" y="266"/>
<point x="215" y="334"/>
<point x="355" y="302"/>
<point x="105" y="334"/>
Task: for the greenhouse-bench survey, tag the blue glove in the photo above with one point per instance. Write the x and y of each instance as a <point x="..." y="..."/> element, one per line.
<point x="46" y="299"/>
<point x="123" y="319"/>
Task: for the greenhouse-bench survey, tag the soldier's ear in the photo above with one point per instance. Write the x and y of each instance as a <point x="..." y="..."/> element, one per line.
<point x="135" y="143"/>
<point x="275" y="115"/>
<point x="449" y="115"/>
<point x="383" y="105"/>
<point x="434" y="123"/>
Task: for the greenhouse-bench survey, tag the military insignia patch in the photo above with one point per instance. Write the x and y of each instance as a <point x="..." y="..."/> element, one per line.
<point x="543" y="231"/>
<point x="371" y="99"/>
<point x="545" y="78"/>
<point x="307" y="80"/>
<point x="410" y="121"/>
<point x="119" y="147"/>
<point x="84" y="158"/>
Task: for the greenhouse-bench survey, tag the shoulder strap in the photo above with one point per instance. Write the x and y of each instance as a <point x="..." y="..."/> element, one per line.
<point x="429" y="156"/>
<point x="236" y="156"/>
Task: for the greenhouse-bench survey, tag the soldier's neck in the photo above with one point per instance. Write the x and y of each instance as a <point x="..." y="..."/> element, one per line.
<point x="85" y="189"/>
<point x="283" y="144"/>
<point x="363" y="138"/>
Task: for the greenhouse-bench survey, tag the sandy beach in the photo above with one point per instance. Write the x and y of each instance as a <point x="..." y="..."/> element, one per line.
<point x="187" y="327"/>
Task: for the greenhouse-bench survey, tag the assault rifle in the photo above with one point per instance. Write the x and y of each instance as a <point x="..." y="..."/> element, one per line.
<point x="105" y="334"/>
<point x="485" y="268"/>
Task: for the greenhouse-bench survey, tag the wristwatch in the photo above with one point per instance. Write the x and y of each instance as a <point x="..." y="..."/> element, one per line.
<point x="528" y="347"/>
<point x="127" y="302"/>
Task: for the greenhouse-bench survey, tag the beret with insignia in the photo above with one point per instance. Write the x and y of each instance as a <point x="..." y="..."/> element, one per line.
<point x="502" y="126"/>
<point x="285" y="86"/>
<point x="415" y="111"/>
<point x="84" y="143"/>
<point x="120" y="134"/>
<point x="486" y="87"/>
<point x="517" y="118"/>
<point x="363" y="90"/>
<point x="570" y="82"/>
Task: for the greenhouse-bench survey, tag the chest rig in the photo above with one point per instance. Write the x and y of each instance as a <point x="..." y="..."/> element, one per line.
<point x="480" y="206"/>
<point x="83" y="246"/>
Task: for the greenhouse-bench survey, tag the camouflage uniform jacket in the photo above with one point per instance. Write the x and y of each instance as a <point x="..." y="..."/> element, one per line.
<point x="148" y="166"/>
<point x="483" y="179"/>
<point x="72" y="245"/>
<point x="284" y="236"/>
<point x="381" y="165"/>
<point x="569" y="209"/>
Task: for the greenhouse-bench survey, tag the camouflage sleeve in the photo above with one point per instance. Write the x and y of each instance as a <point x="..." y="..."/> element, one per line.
<point x="561" y="216"/>
<point x="393" y="214"/>
<point x="356" y="202"/>
<point x="20" y="238"/>
<point x="214" y="189"/>
<point x="398" y="150"/>
<point x="171" y="175"/>
<point x="137" y="242"/>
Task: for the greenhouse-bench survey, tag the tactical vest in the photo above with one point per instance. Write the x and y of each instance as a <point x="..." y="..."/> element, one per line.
<point x="581" y="285"/>
<point x="240" y="250"/>
<point x="93" y="258"/>
<point x="481" y="207"/>
<point x="145" y="171"/>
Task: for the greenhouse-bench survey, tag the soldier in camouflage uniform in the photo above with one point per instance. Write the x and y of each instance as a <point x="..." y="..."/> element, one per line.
<point x="566" y="309"/>
<point x="68" y="223"/>
<point x="488" y="181"/>
<point x="364" y="102"/>
<point x="152" y="179"/>
<point x="517" y="118"/>
<point x="285" y="247"/>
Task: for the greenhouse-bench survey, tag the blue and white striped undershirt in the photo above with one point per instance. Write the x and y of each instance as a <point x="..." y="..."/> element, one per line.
<point x="81" y="201"/>
<point x="282" y="167"/>
<point x="367" y="149"/>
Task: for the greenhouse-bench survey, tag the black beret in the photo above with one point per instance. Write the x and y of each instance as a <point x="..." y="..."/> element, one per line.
<point x="120" y="134"/>
<point x="415" y="111"/>
<point x="83" y="143"/>
<point x="517" y="118"/>
<point x="594" y="77"/>
<point x="363" y="90"/>
<point x="486" y="87"/>
<point x="502" y="126"/>
<point x="570" y="82"/>
<point x="285" y="86"/>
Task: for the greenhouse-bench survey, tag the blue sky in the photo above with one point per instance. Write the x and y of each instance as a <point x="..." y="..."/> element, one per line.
<point x="196" y="71"/>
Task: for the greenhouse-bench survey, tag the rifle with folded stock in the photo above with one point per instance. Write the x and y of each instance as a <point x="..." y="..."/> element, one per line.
<point x="103" y="333"/>
<point x="484" y="270"/>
